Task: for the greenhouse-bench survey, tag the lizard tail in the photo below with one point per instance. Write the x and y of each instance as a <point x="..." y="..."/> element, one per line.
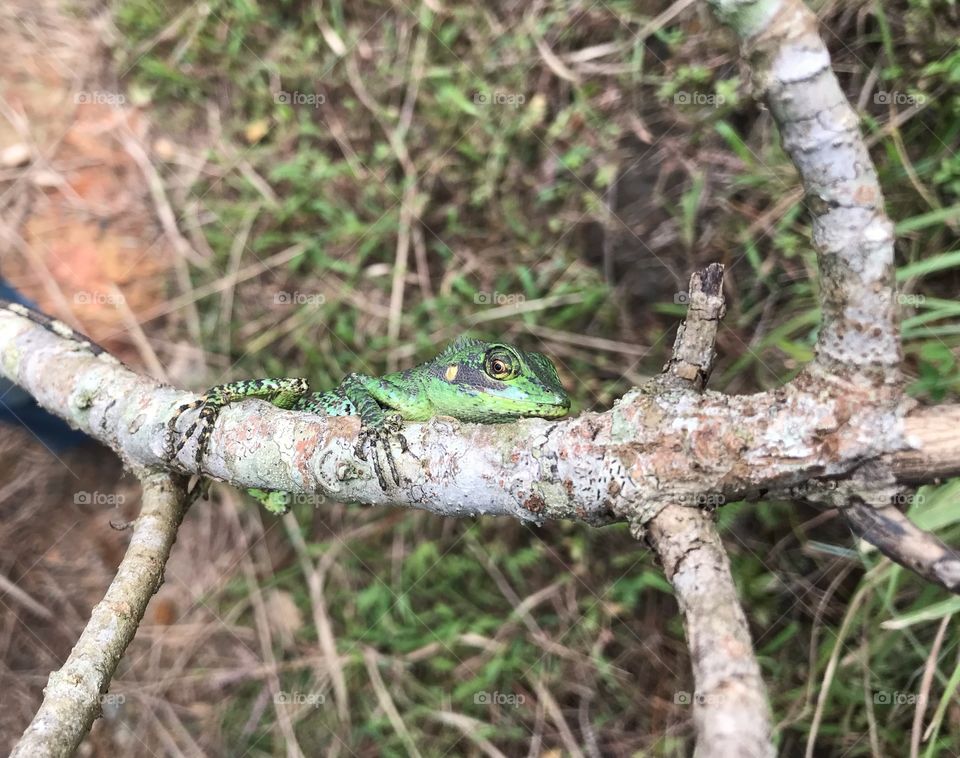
<point x="53" y="325"/>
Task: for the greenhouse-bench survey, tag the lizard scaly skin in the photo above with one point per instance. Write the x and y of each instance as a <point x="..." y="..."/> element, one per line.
<point x="472" y="380"/>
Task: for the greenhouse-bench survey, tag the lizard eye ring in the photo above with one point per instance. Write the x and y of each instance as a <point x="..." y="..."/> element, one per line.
<point x="500" y="364"/>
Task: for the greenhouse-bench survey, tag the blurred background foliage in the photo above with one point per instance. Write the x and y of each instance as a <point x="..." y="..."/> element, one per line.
<point x="375" y="179"/>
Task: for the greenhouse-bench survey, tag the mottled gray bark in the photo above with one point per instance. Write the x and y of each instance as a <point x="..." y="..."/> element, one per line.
<point x="729" y="702"/>
<point x="791" y="71"/>
<point x="74" y="694"/>
<point x="653" y="447"/>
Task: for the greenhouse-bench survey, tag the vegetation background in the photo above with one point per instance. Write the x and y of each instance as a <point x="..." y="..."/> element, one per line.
<point x="233" y="189"/>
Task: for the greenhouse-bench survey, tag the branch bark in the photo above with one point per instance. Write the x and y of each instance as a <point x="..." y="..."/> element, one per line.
<point x="654" y="446"/>
<point x="730" y="707"/>
<point x="859" y="338"/>
<point x="904" y="542"/>
<point x="821" y="133"/>
<point x="73" y="695"/>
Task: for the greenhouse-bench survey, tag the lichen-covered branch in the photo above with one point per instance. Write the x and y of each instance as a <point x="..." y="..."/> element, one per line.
<point x="73" y="695"/>
<point x="820" y="131"/>
<point x="652" y="447"/>
<point x="854" y="241"/>
<point x="730" y="707"/>
<point x="661" y="453"/>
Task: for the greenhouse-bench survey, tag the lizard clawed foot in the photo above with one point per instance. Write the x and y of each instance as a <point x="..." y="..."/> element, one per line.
<point x="382" y="433"/>
<point x="209" y="408"/>
<point x="285" y="392"/>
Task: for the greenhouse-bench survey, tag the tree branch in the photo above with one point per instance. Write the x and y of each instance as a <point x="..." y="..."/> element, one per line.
<point x="654" y="446"/>
<point x="730" y="705"/>
<point x="730" y="708"/>
<point x="73" y="695"/>
<point x="693" y="349"/>
<point x="898" y="538"/>
<point x="933" y="446"/>
<point x="660" y="450"/>
<point x="820" y="131"/>
<point x="854" y="242"/>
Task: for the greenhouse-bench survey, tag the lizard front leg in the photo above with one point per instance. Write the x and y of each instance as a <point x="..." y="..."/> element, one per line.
<point x="371" y="398"/>
<point x="375" y="401"/>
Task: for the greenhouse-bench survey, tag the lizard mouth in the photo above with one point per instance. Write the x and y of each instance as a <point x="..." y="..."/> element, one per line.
<point x="558" y="407"/>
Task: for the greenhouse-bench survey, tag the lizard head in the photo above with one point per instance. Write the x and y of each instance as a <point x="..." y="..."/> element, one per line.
<point x="495" y="382"/>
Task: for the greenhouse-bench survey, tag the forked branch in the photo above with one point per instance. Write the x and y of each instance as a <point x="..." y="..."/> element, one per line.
<point x="729" y="702"/>
<point x="660" y="450"/>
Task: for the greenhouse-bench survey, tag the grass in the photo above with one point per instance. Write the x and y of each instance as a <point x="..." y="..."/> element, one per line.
<point x="446" y="175"/>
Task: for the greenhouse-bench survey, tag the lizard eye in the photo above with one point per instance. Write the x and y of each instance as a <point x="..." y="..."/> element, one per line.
<point x="499" y="364"/>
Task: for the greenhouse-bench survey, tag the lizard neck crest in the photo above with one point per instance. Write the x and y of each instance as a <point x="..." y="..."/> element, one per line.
<point x="460" y="345"/>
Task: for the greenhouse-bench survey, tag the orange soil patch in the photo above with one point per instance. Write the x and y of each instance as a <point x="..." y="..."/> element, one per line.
<point x="91" y="246"/>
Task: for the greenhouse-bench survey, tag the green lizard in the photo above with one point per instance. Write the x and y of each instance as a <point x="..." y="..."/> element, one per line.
<point x="475" y="381"/>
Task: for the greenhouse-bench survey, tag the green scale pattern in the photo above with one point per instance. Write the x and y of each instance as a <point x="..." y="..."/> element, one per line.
<point x="472" y="380"/>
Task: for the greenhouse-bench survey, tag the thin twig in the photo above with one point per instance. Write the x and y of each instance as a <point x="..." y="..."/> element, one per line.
<point x="315" y="576"/>
<point x="371" y="659"/>
<point x="168" y="220"/>
<point x="898" y="538"/>
<point x="923" y="696"/>
<point x="73" y="694"/>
